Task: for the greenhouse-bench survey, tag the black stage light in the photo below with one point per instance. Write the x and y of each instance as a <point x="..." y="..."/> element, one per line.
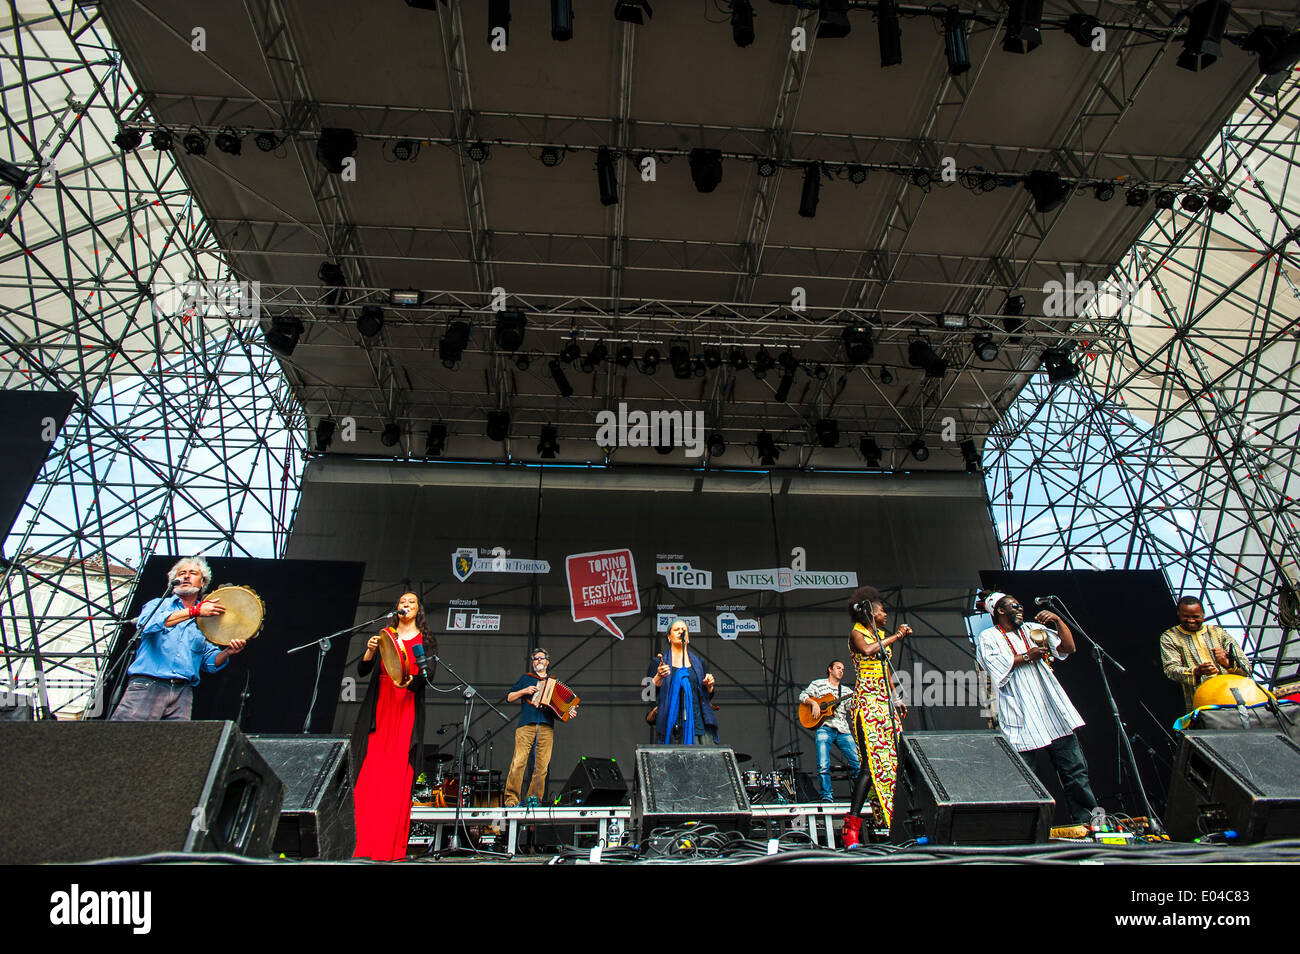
<point x="737" y="359"/>
<point x="679" y="357"/>
<point x="698" y="367"/>
<point x="404" y="150"/>
<point x="594" y="358"/>
<point x="782" y="393"/>
<point x="267" y="141"/>
<point x="812" y="189"/>
<point x="1024" y="26"/>
<point x="570" y="352"/>
<point x="766" y="167"/>
<point x="228" y="141"/>
<point x="857" y="174"/>
<point x="452" y="343"/>
<point x="1204" y="37"/>
<point x="857" y="342"/>
<point x="921" y="178"/>
<point x="561" y="20"/>
<point x="371" y="321"/>
<point x="630" y="11"/>
<point x="706" y="168"/>
<point x="742" y="22"/>
<point x="436" y="441"/>
<point x="833" y="21"/>
<point x="128" y="140"/>
<point x="1278" y="49"/>
<point x="821" y="372"/>
<point x="921" y="355"/>
<point x="650" y="361"/>
<point x="624" y="356"/>
<point x="869" y="450"/>
<point x="1220" y="202"/>
<point x="828" y="432"/>
<point x="919" y="450"/>
<point x="717" y="446"/>
<point x="1136" y="196"/>
<point x="195" y="142"/>
<point x="324" y="435"/>
<point x="333" y="146"/>
<point x="1192" y="202"/>
<point x="984" y="347"/>
<point x="763" y="362"/>
<point x="391" y="434"/>
<point x="605" y="178"/>
<point x="284" y="333"/>
<point x="768" y="452"/>
<point x="1059" y="367"/>
<point x="1012" y="310"/>
<point x="1103" y="191"/>
<point x="890" y="33"/>
<point x="886" y="376"/>
<point x="498" y="425"/>
<point x="1048" y="189"/>
<point x="161" y="139"/>
<point x="988" y="181"/>
<point x="550" y="157"/>
<point x="971" y="456"/>
<point x="1081" y="26"/>
<point x="955" y="47"/>
<point x="1165" y="199"/>
<point x="523" y="362"/>
<point x="498" y="19"/>
<point x="548" y="448"/>
<point x="786" y="360"/>
<point x="712" y="357"/>
<point x="509" y="332"/>
<point x="478" y="151"/>
<point x="331" y="273"/>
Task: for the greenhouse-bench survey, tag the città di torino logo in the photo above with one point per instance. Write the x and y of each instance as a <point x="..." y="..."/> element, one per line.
<point x="624" y="428"/>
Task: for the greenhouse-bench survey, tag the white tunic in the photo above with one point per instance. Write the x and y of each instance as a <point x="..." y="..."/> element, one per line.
<point x="1033" y="709"/>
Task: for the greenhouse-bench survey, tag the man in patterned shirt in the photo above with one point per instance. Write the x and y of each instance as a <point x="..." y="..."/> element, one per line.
<point x="1193" y="652"/>
<point x="834" y="732"/>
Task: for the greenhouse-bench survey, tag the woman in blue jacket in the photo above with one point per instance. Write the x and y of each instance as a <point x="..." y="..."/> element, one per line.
<point x="684" y="691"/>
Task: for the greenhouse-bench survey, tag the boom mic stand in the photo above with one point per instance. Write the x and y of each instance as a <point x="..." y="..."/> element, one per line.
<point x="1126" y="749"/>
<point x="129" y="653"/>
<point x="323" y="645"/>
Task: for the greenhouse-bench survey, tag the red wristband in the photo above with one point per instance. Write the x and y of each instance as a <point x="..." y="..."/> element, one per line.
<point x="194" y="610"/>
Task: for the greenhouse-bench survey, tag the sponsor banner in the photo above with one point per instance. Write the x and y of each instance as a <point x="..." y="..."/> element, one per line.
<point x="466" y="561"/>
<point x="682" y="576"/>
<point x="783" y="579"/>
<point x="664" y="620"/>
<point x="469" y="619"/>
<point x="602" y="584"/>
<point x="730" y="626"/>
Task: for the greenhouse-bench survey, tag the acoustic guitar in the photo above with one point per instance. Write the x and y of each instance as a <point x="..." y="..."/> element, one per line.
<point x="827" y="702"/>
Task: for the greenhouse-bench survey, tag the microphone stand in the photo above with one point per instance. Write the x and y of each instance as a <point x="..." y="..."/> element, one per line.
<point x="1126" y="749"/>
<point x="323" y="645"/>
<point x="129" y="652"/>
<point x="468" y="693"/>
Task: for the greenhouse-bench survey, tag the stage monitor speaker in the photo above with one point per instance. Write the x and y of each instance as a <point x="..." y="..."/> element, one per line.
<point x="1245" y="781"/>
<point x="318" y="819"/>
<point x="595" y="781"/>
<point x="77" y="791"/>
<point x="676" y="784"/>
<point x="967" y="788"/>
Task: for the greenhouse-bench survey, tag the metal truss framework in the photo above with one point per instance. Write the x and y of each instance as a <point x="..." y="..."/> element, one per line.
<point x="183" y="436"/>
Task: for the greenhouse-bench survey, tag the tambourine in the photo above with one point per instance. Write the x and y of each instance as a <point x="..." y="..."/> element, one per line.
<point x="393" y="656"/>
<point x="241" y="620"/>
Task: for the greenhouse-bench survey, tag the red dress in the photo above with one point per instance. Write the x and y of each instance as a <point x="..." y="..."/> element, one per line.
<point x="383" y="792"/>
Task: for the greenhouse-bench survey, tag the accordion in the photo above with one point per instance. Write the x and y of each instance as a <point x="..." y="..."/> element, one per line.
<point x="557" y="697"/>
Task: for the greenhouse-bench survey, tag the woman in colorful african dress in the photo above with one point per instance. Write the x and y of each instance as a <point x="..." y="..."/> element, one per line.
<point x="877" y="720"/>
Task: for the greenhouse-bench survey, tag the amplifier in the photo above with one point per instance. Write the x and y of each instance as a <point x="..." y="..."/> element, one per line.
<point x="677" y="784"/>
<point x="595" y="781"/>
<point x="1246" y="781"/>
<point x="318" y="818"/>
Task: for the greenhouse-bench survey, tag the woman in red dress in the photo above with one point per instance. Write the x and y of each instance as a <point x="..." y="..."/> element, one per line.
<point x="388" y="740"/>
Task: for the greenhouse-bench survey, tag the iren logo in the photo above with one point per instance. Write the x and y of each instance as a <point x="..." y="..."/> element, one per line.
<point x="683" y="429"/>
<point x="76" y="907"/>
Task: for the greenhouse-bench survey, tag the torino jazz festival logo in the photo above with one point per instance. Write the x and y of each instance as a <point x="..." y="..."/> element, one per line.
<point x="630" y="428"/>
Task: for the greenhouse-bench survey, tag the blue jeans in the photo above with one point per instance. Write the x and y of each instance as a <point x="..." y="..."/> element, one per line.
<point x="826" y="738"/>
<point x="151" y="700"/>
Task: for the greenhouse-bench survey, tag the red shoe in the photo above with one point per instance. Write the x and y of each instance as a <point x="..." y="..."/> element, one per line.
<point x="852" y="828"/>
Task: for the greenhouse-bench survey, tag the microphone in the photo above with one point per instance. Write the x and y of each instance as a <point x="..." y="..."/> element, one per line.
<point x="420" y="661"/>
<point x="1043" y="600"/>
<point x="177" y="582"/>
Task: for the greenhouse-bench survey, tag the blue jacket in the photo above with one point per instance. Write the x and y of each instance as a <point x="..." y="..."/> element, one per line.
<point x="697" y="673"/>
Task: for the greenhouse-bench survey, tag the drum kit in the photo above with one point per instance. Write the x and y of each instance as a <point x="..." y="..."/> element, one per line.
<point x="780" y="785"/>
<point x="441" y="785"/>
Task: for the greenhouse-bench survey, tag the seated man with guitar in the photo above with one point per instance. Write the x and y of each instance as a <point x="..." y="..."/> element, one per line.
<point x="541" y="698"/>
<point x="825" y="706"/>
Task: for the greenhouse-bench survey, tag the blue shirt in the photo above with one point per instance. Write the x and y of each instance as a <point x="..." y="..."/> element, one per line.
<point x="172" y="652"/>
<point x="530" y="714"/>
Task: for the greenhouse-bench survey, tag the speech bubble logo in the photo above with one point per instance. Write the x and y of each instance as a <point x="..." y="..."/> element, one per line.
<point x="602" y="584"/>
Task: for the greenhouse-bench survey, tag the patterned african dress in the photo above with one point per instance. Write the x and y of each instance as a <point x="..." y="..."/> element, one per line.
<point x="871" y="716"/>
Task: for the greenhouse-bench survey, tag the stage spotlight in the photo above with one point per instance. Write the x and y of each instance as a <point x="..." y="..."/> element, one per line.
<point x="324" y="435"/>
<point x="391" y="434"/>
<point x="523" y="362"/>
<point x="737" y="359"/>
<point x="498" y="425"/>
<point x="821" y="372"/>
<point x="857" y="342"/>
<point x="161" y="139"/>
<point x="333" y="146"/>
<point x="712" y="357"/>
<point x="195" y="142"/>
<point x="650" y="361"/>
<point x="857" y="174"/>
<point x="1059" y="367"/>
<point x="679" y="357"/>
<point x="549" y="446"/>
<point x="451" y="346"/>
<point x="1103" y="191"/>
<point x="1048" y="189"/>
<point x="1024" y="26"/>
<point x="919" y="450"/>
<point x="766" y="167"/>
<point x="886" y="376"/>
<point x="371" y="321"/>
<point x="833" y="21"/>
<point x="1204" y="37"/>
<point x="1192" y="202"/>
<point x="953" y="320"/>
<point x="988" y="181"/>
<point x="716" y="445"/>
<point x="742" y="22"/>
<point x="1136" y="196"/>
<point x="921" y="178"/>
<point x="561" y="380"/>
<point x="561" y="20"/>
<point x="1220" y="202"/>
<point x="828" y="432"/>
<point x="478" y="151"/>
<point x="921" y="355"/>
<point x="509" y="331"/>
<point x="698" y="368"/>
<point x="550" y="157"/>
<point x="498" y="16"/>
<point x="786" y="360"/>
<point x="1081" y="26"/>
<point x="768" y="452"/>
<point x="404" y="150"/>
<point x="629" y="11"/>
<point x="594" y="358"/>
<point x="891" y="35"/>
<point x="974" y="463"/>
<point x="870" y="451"/>
<point x="128" y="140"/>
<point x="706" y="168"/>
<point x="624" y="356"/>
<point x="266" y="141"/>
<point x="763" y="363"/>
<point x="812" y="188"/>
<point x="404" y="297"/>
<point x="984" y="347"/>
<point x="331" y="273"/>
<point x="228" y="141"/>
<point x="1278" y="50"/>
<point x="1165" y="199"/>
<point x="284" y="333"/>
<point x="955" y="47"/>
<point x="436" y="440"/>
<point x="783" y="386"/>
<point x="605" y="177"/>
<point x="570" y="352"/>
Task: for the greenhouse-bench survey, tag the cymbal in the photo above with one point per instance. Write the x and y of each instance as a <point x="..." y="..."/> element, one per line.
<point x="439" y="757"/>
<point x="743" y="757"/>
<point x="792" y="754"/>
